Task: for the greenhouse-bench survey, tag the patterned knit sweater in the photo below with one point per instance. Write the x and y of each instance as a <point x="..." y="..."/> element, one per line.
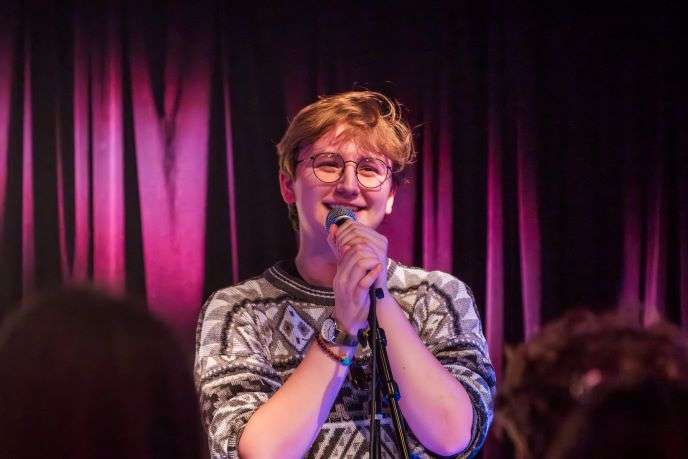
<point x="253" y="335"/>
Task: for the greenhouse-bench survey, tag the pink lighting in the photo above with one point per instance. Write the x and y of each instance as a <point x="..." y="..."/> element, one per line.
<point x="171" y="160"/>
<point x="28" y="230"/>
<point x="541" y="181"/>
<point x="438" y="215"/>
<point x="529" y="226"/>
<point x="6" y="69"/>
<point x="82" y="157"/>
<point x="107" y="152"/>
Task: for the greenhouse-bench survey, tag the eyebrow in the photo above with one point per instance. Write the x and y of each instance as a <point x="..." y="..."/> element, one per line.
<point x="379" y="156"/>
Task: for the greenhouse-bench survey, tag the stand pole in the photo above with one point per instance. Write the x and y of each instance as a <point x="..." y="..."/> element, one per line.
<point x="389" y="390"/>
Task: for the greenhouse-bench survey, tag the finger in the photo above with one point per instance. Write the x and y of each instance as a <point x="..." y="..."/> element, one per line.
<point x="354" y="267"/>
<point x="364" y="249"/>
<point x="354" y="252"/>
<point x="342" y="250"/>
<point x="353" y="255"/>
<point x="344" y="226"/>
<point x="363" y="246"/>
<point x="359" y="230"/>
<point x="332" y="240"/>
<point x="367" y="281"/>
<point x="360" y="241"/>
<point x="359" y="272"/>
<point x="349" y="226"/>
<point x="362" y="233"/>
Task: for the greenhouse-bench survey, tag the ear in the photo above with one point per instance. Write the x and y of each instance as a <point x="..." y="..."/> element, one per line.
<point x="390" y="200"/>
<point x="287" y="188"/>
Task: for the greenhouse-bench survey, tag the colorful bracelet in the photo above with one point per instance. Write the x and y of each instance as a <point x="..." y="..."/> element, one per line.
<point x="346" y="360"/>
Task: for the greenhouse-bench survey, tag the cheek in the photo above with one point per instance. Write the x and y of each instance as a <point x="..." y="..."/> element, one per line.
<point x="381" y="201"/>
<point x="307" y="199"/>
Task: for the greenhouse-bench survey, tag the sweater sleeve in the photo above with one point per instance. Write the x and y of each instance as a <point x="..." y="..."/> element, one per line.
<point x="233" y="373"/>
<point x="449" y="325"/>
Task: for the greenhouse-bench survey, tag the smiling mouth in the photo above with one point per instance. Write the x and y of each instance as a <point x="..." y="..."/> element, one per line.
<point x="353" y="208"/>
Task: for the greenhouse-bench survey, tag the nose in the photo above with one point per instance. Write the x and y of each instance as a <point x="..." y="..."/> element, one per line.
<point x="348" y="183"/>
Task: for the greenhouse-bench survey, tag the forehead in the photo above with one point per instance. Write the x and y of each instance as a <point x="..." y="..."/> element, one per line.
<point x="347" y="142"/>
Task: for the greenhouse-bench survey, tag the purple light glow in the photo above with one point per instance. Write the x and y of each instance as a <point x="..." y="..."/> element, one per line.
<point x="6" y="59"/>
<point x="528" y="228"/>
<point x="108" y="166"/>
<point x="438" y="194"/>
<point x="494" y="290"/>
<point x="398" y="227"/>
<point x="171" y="161"/>
<point x="82" y="160"/>
<point x="140" y="91"/>
<point x="655" y="271"/>
<point x="28" y="244"/>
<point x="494" y="275"/>
<point x="629" y="295"/>
<point x="231" y="180"/>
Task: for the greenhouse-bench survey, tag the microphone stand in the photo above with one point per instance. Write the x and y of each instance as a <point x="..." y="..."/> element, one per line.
<point x="387" y="387"/>
<point x="378" y="357"/>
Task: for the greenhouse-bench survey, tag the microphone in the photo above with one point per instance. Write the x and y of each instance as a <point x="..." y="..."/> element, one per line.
<point x="338" y="215"/>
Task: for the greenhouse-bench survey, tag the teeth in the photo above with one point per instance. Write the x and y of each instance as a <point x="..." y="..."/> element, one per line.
<point x="355" y="209"/>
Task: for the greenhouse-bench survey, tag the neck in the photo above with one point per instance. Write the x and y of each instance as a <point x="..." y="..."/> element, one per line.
<point x="316" y="267"/>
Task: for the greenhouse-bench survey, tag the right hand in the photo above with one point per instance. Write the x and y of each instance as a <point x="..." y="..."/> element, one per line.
<point x="357" y="268"/>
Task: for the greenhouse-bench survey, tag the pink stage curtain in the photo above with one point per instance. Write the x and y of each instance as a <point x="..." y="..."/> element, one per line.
<point x="137" y="150"/>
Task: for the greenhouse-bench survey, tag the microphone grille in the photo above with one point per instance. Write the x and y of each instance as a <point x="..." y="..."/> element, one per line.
<point x="338" y="215"/>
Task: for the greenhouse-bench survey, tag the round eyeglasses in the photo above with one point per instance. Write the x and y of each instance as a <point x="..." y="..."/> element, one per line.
<point x="329" y="168"/>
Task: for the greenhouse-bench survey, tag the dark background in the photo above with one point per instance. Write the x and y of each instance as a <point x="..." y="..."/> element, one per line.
<point x="552" y="138"/>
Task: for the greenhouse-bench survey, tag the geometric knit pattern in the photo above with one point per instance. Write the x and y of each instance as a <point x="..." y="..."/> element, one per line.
<point x="251" y="337"/>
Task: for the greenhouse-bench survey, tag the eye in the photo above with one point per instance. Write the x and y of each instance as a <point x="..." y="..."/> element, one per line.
<point x="372" y="166"/>
<point x="327" y="164"/>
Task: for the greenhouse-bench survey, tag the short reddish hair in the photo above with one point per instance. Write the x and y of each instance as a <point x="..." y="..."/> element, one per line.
<point x="371" y="120"/>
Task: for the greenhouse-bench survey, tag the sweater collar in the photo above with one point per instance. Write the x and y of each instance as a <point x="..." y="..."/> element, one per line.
<point x="284" y="276"/>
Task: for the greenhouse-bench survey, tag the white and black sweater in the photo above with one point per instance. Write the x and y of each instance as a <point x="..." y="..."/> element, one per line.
<point x="252" y="336"/>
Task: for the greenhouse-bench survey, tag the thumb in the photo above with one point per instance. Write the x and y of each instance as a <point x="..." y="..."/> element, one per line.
<point x="332" y="239"/>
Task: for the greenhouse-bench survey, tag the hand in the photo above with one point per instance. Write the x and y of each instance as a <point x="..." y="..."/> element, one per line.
<point x="361" y="262"/>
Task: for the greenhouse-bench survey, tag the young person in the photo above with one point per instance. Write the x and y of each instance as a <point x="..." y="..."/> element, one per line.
<point x="273" y="380"/>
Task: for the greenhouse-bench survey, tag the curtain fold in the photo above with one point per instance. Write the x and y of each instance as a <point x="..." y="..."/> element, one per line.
<point x="6" y="80"/>
<point x="525" y="132"/>
<point x="171" y="137"/>
<point x="231" y="170"/>
<point x="437" y="187"/>
<point x="28" y="230"/>
<point x="494" y="275"/>
<point x="82" y="222"/>
<point x="107" y="155"/>
<point x="137" y="150"/>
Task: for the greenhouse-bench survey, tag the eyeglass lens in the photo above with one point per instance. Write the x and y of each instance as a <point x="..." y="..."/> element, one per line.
<point x="370" y="172"/>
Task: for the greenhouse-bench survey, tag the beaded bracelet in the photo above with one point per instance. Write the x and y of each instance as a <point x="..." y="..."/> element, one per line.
<point x="346" y="360"/>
